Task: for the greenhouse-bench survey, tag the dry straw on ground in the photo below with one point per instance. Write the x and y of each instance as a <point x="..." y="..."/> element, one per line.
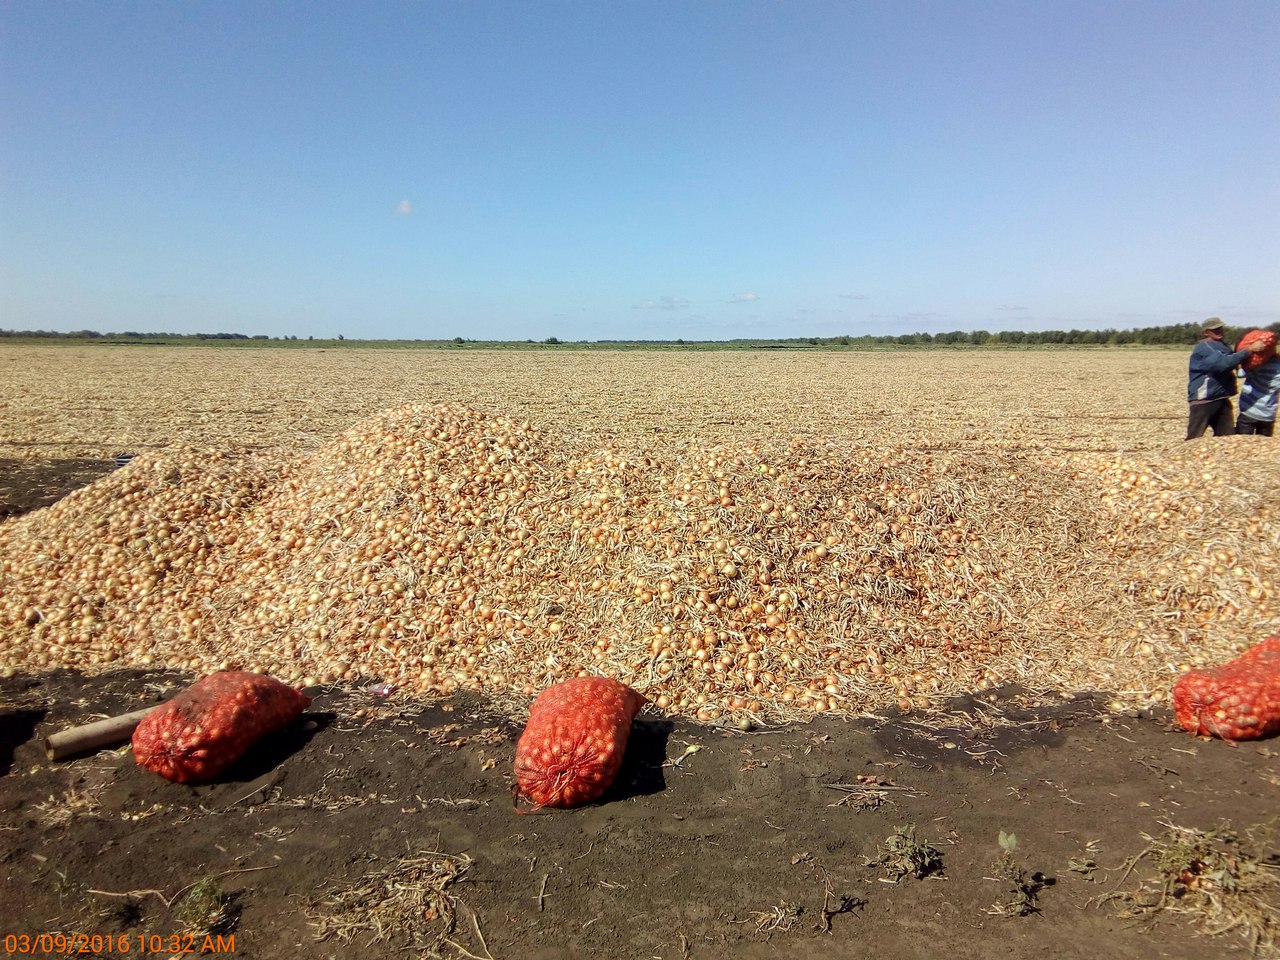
<point x="437" y="547"/>
<point x="99" y="401"/>
<point x="409" y="899"/>
<point x="1225" y="881"/>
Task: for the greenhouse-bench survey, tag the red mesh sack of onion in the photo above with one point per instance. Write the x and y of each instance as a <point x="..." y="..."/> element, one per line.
<point x="573" y="744"/>
<point x="1239" y="700"/>
<point x="213" y="723"/>
<point x="1268" y="338"/>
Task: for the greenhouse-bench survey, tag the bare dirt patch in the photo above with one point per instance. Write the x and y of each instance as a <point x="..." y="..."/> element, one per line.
<point x="387" y="825"/>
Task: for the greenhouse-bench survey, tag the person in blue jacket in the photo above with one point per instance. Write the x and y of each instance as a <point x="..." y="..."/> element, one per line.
<point x="1211" y="381"/>
<point x="1258" y="399"/>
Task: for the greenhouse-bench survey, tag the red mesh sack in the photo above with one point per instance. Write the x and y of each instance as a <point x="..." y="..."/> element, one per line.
<point x="573" y="744"/>
<point x="1268" y="337"/>
<point x="211" y="724"/>
<point x="1239" y="700"/>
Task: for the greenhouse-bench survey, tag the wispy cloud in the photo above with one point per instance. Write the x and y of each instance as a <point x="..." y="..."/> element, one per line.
<point x="404" y="208"/>
<point x="663" y="303"/>
<point x="853" y="296"/>
<point x="1012" y="307"/>
<point x="745" y="298"/>
<point x="1238" y="314"/>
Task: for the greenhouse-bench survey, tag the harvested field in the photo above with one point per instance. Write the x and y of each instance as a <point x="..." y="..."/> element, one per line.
<point x="858" y="541"/>
<point x="95" y="402"/>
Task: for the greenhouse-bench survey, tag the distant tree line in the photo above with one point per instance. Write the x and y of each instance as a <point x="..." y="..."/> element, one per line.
<point x="135" y="335"/>
<point x="129" y="334"/>
<point x="1170" y="334"/>
<point x="1178" y="333"/>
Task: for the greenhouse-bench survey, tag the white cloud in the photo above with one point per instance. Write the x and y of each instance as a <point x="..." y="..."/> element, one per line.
<point x="853" y="296"/>
<point x="744" y="298"/>
<point x="1010" y="306"/>
<point x="664" y="303"/>
<point x="404" y="208"/>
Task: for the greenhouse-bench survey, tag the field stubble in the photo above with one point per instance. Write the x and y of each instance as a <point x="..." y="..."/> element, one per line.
<point x="101" y="401"/>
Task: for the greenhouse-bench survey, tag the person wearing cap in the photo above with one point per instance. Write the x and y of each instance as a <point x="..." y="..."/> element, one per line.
<point x="1211" y="381"/>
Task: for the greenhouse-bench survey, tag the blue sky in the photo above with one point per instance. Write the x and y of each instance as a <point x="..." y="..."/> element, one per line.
<point x="647" y="170"/>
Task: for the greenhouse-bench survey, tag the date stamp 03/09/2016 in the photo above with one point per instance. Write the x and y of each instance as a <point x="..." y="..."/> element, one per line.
<point x="117" y="944"/>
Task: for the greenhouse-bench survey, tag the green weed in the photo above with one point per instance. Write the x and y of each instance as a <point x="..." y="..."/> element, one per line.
<point x="1021" y="889"/>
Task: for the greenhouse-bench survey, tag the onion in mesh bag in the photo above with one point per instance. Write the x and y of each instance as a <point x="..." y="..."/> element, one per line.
<point x="1268" y="338"/>
<point x="213" y="723"/>
<point x="1239" y="700"/>
<point x="573" y="744"/>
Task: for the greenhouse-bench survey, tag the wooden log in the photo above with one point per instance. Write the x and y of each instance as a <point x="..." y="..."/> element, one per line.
<point x="91" y="736"/>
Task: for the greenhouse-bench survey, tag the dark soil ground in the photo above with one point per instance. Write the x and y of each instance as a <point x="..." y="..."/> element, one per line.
<point x="380" y="826"/>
